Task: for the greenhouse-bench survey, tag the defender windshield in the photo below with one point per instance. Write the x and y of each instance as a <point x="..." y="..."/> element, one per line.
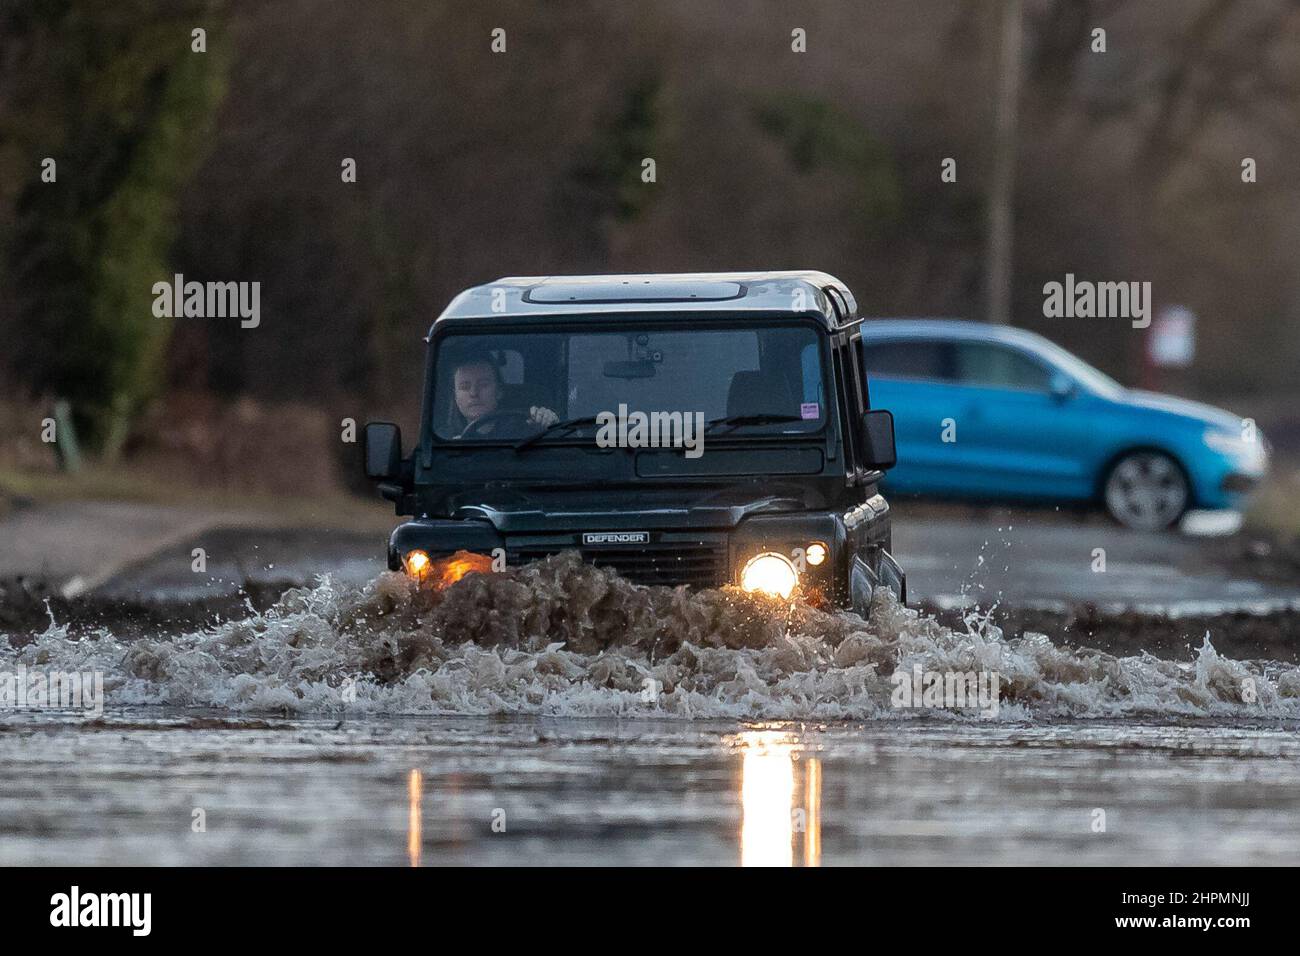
<point x="512" y="386"/>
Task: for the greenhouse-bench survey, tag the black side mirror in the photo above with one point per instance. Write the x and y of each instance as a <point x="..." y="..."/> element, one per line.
<point x="878" y="450"/>
<point x="383" y="451"/>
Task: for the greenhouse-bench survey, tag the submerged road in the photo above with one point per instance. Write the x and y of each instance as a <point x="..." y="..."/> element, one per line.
<point x="430" y="791"/>
<point x="1018" y="559"/>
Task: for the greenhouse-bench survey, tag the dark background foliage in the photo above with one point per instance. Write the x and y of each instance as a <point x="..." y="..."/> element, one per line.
<point x="472" y="165"/>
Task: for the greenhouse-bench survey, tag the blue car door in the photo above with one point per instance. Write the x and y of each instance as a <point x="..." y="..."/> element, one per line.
<point x="913" y="379"/>
<point x="1026" y="432"/>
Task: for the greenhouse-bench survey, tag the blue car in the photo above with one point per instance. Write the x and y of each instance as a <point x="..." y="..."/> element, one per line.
<point x="998" y="413"/>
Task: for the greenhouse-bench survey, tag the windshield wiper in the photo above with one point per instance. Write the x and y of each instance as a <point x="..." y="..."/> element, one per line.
<point x="555" y="428"/>
<point x="738" y="421"/>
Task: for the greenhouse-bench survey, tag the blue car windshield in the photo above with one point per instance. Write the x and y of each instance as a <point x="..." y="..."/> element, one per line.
<point x="503" y="387"/>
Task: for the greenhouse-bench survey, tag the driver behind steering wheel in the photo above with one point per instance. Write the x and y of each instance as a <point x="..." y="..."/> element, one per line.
<point x="478" y="389"/>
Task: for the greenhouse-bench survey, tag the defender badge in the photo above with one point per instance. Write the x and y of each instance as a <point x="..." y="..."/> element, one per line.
<point x="616" y="537"/>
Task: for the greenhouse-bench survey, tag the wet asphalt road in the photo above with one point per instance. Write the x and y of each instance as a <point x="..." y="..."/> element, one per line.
<point x="1027" y="560"/>
<point x="1017" y="559"/>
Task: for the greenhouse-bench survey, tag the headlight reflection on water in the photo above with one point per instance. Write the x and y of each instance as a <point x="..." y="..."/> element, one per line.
<point x="414" y="795"/>
<point x="780" y="799"/>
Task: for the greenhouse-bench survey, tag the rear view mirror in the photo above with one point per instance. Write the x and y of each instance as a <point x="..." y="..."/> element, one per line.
<point x="878" y="451"/>
<point x="383" y="451"/>
<point x="639" y="369"/>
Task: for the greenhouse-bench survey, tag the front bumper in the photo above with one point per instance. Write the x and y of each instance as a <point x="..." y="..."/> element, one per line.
<point x="671" y="558"/>
<point x="1227" y="483"/>
<point x="705" y="558"/>
<point x="1240" y="483"/>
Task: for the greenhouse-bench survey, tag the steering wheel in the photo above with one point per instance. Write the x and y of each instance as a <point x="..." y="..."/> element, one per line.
<point x="479" y="426"/>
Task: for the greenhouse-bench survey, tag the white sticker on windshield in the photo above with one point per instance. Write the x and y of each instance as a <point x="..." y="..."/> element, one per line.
<point x="810" y="410"/>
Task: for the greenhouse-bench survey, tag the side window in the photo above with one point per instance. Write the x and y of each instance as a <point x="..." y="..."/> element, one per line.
<point x="848" y="414"/>
<point x="924" y="359"/>
<point x="861" y="388"/>
<point x="998" y="366"/>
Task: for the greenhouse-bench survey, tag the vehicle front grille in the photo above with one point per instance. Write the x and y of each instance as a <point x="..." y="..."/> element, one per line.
<point x="670" y="563"/>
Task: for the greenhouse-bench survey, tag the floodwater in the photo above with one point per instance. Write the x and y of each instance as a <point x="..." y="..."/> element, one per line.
<point x="558" y="715"/>
<point x="166" y="788"/>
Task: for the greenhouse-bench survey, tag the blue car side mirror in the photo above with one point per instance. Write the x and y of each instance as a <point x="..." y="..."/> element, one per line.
<point x="1062" y="387"/>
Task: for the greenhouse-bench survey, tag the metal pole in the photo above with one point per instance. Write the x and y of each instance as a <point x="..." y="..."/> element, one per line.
<point x="1001" y="194"/>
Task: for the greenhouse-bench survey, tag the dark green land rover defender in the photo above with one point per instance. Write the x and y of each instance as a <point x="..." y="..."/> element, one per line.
<point x="693" y="429"/>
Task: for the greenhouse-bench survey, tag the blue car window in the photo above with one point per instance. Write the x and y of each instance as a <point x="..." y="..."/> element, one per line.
<point x="996" y="366"/>
<point x="912" y="358"/>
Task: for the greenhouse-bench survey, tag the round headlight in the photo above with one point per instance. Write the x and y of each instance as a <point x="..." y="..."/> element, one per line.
<point x="815" y="553"/>
<point x="769" y="573"/>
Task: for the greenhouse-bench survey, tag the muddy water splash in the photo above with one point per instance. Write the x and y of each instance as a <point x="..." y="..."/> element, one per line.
<point x="560" y="637"/>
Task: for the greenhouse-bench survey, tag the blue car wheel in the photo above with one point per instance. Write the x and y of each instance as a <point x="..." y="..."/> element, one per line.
<point x="1147" y="490"/>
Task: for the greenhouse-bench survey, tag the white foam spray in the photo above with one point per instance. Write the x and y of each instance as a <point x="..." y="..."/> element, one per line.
<point x="563" y="638"/>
